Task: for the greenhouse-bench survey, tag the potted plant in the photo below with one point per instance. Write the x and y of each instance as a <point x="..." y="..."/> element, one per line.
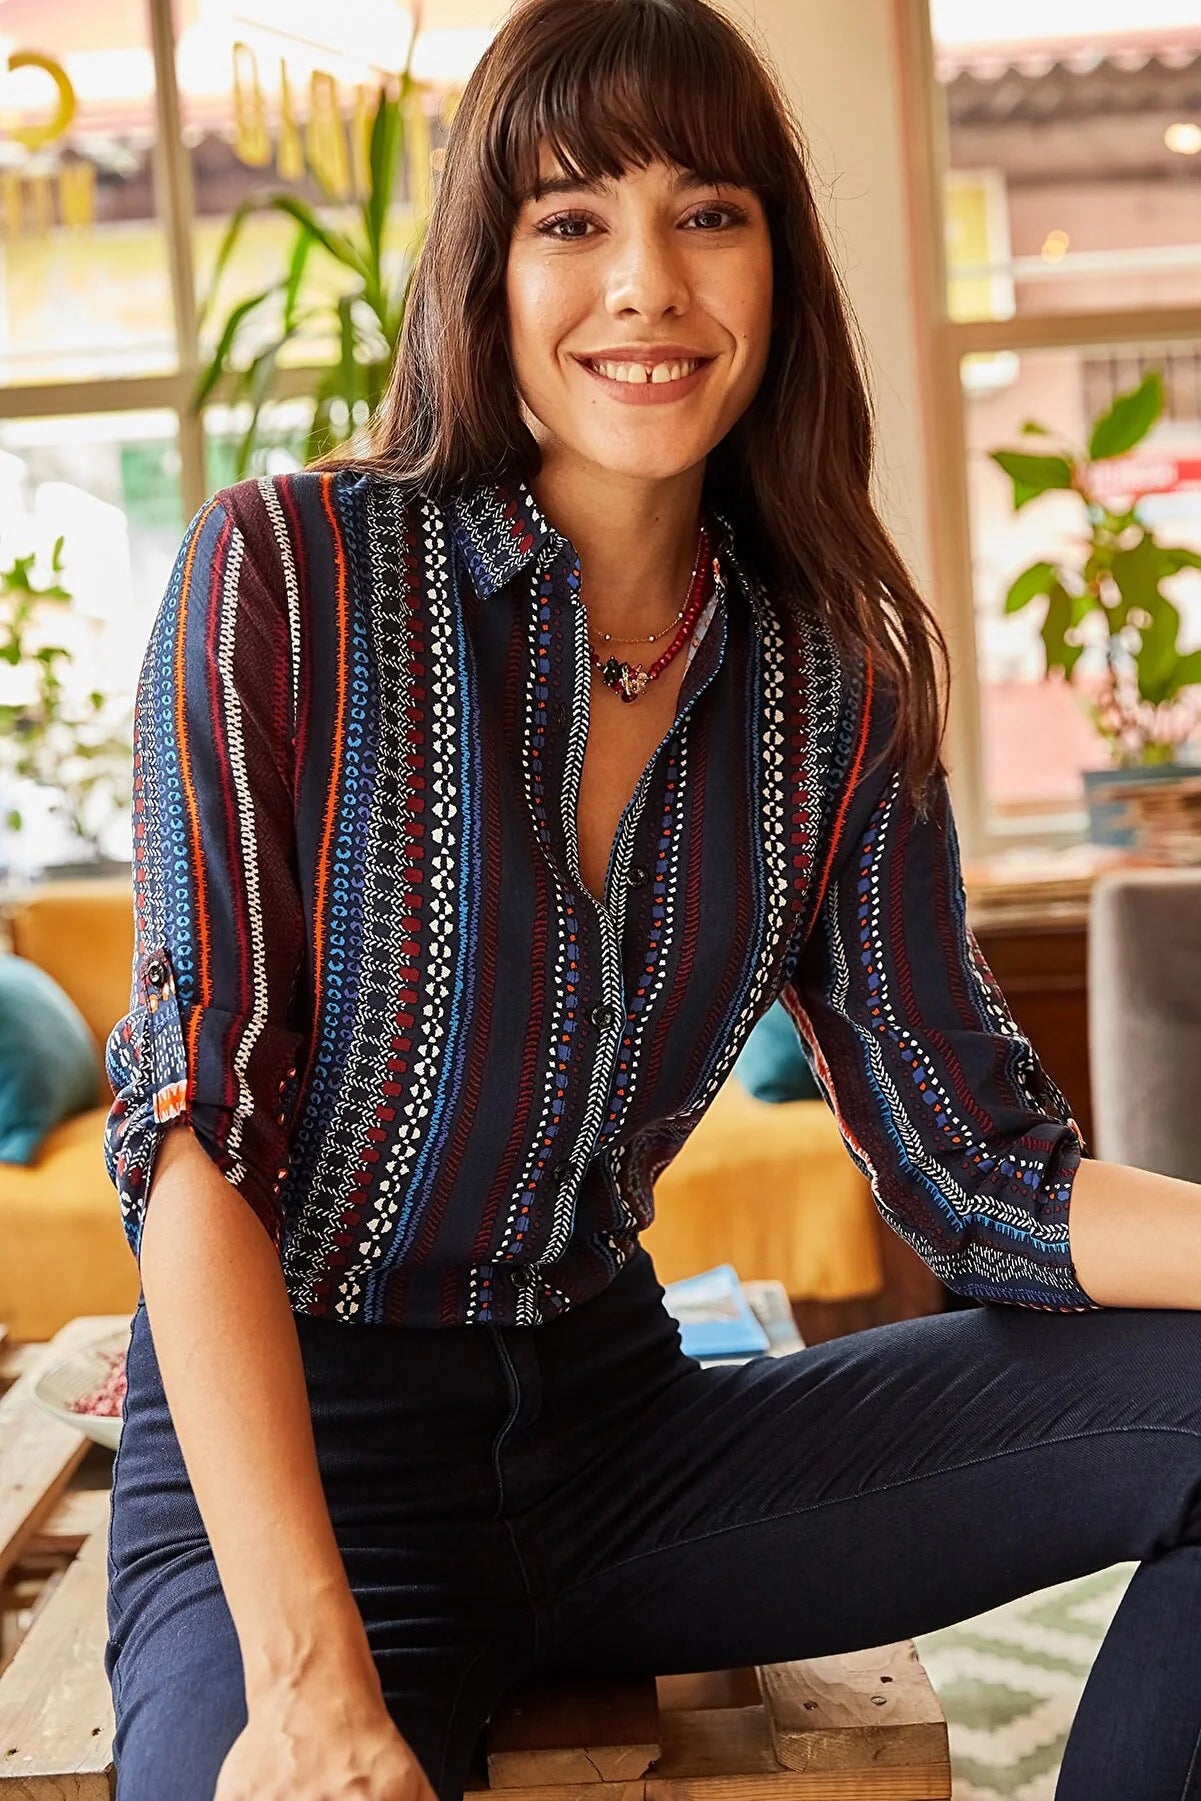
<point x="62" y="743"/>
<point x="1110" y="596"/>
<point x="354" y="334"/>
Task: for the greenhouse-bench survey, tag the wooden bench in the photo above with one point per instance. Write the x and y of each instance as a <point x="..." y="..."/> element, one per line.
<point x="857" y="1727"/>
<point x="847" y="1728"/>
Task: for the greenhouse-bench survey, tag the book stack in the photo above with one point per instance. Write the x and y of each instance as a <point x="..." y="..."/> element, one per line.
<point x="723" y="1320"/>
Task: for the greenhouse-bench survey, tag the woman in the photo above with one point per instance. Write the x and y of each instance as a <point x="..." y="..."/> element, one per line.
<point x="490" y="784"/>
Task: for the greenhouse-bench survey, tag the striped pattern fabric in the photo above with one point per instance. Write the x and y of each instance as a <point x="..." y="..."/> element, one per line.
<point x="369" y="975"/>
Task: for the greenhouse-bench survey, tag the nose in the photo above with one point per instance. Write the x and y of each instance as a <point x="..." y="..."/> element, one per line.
<point x="647" y="273"/>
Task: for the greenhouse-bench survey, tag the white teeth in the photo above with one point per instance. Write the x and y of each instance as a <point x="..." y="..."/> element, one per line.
<point x="638" y="372"/>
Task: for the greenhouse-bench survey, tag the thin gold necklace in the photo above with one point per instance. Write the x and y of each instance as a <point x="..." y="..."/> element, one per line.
<point x="653" y="637"/>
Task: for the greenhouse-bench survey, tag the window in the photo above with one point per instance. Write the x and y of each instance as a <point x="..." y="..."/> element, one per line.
<point x="1060" y="235"/>
<point x="132" y="133"/>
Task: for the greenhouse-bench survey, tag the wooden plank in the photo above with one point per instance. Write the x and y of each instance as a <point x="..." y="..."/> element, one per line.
<point x="709" y="1688"/>
<point x="725" y="1754"/>
<point x="74" y="1517"/>
<point x="39" y="1453"/>
<point x="862" y="1709"/>
<point x="56" y="1713"/>
<point x="564" y="1732"/>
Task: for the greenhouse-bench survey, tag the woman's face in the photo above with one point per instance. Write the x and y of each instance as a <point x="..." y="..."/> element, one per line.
<point x="652" y="268"/>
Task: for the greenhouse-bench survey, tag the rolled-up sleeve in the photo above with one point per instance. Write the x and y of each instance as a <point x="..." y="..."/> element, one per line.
<point x="215" y="1033"/>
<point x="969" y="1145"/>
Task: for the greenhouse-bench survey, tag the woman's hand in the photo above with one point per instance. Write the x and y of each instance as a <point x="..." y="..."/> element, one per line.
<point x="301" y="1746"/>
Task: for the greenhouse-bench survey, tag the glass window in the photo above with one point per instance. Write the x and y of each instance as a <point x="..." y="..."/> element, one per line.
<point x="277" y="96"/>
<point x="77" y="196"/>
<point x="1074" y="154"/>
<point x="1037" y="733"/>
<point x="108" y="486"/>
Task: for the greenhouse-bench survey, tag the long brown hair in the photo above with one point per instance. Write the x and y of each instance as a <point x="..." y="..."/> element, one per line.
<point x="611" y="84"/>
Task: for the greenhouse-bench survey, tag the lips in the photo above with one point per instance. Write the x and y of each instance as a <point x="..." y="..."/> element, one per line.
<point x="647" y="392"/>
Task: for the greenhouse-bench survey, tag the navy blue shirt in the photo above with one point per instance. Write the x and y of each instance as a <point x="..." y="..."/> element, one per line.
<point x="368" y="973"/>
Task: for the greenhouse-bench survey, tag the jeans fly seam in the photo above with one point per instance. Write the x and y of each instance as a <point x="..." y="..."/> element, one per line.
<point x="789" y="1513"/>
<point x="514" y="1388"/>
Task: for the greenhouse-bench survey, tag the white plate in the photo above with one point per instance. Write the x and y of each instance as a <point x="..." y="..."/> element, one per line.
<point x="72" y="1377"/>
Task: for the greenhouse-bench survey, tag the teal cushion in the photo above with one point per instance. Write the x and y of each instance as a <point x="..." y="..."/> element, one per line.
<point x="772" y="1062"/>
<point x="48" y="1067"/>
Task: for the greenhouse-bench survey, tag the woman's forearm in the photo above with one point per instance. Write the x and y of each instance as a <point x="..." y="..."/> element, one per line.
<point x="1135" y="1236"/>
<point x="230" y="1360"/>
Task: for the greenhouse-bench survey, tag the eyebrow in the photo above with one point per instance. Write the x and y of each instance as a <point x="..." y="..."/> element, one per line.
<point x="571" y="184"/>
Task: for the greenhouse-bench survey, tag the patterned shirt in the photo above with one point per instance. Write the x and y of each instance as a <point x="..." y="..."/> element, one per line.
<point x="369" y="975"/>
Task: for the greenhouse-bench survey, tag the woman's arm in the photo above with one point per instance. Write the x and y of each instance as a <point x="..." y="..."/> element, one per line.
<point x="969" y="1145"/>
<point x="226" y="1345"/>
<point x="215" y="1041"/>
<point x="1136" y="1236"/>
<point x="317" y="1723"/>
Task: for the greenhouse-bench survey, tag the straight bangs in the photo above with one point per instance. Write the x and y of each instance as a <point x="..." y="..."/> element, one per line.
<point x="629" y="88"/>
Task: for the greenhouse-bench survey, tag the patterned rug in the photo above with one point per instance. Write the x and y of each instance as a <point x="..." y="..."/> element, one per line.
<point x="1009" y="1682"/>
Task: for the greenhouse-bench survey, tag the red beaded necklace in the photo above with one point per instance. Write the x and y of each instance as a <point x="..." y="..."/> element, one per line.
<point x="631" y="679"/>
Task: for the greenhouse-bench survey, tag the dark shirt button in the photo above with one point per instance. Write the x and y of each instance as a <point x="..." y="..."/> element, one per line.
<point x="561" y="1174"/>
<point x="602" y="1015"/>
<point x="156" y="972"/>
<point x="637" y="875"/>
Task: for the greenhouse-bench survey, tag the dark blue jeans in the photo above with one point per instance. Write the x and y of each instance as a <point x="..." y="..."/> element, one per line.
<point x="580" y="1496"/>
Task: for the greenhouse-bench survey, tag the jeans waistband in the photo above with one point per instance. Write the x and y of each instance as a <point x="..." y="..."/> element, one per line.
<point x="428" y="1370"/>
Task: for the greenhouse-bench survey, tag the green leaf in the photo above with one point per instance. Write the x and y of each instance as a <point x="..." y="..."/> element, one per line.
<point x="1060" y="654"/>
<point x="335" y="242"/>
<point x="1128" y="420"/>
<point x="348" y="361"/>
<point x="1158" y="659"/>
<point x="1174" y="556"/>
<point x="1035" y="580"/>
<point x="260" y="376"/>
<point x="1032" y="475"/>
<point x="1136" y="574"/>
<point x="220" y="360"/>
<point x="225" y="250"/>
<point x="387" y="137"/>
<point x="300" y="256"/>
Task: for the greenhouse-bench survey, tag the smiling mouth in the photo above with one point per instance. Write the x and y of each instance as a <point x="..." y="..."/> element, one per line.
<point x="643" y="373"/>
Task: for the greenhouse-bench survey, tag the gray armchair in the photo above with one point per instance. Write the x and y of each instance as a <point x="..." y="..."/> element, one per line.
<point x="1144" y="978"/>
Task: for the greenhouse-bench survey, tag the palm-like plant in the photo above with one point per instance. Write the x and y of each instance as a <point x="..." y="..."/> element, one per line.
<point x="362" y="324"/>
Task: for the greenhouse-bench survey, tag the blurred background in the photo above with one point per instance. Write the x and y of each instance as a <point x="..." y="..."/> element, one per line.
<point x="191" y="288"/>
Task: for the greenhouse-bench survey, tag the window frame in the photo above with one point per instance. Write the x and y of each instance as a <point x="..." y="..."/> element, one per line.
<point x="941" y="344"/>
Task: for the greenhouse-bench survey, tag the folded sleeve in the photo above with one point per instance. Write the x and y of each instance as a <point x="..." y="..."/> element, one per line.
<point x="969" y="1145"/>
<point x="216" y="1030"/>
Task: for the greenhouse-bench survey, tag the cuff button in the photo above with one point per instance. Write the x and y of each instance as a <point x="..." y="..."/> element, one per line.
<point x="156" y="972"/>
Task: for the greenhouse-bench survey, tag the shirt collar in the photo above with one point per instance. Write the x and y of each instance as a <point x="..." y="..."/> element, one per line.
<point x="500" y="528"/>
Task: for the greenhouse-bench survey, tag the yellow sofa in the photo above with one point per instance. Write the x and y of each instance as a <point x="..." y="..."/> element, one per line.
<point x="766" y="1187"/>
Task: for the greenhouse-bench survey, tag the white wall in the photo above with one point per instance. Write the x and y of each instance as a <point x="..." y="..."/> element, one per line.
<point x="837" y="64"/>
